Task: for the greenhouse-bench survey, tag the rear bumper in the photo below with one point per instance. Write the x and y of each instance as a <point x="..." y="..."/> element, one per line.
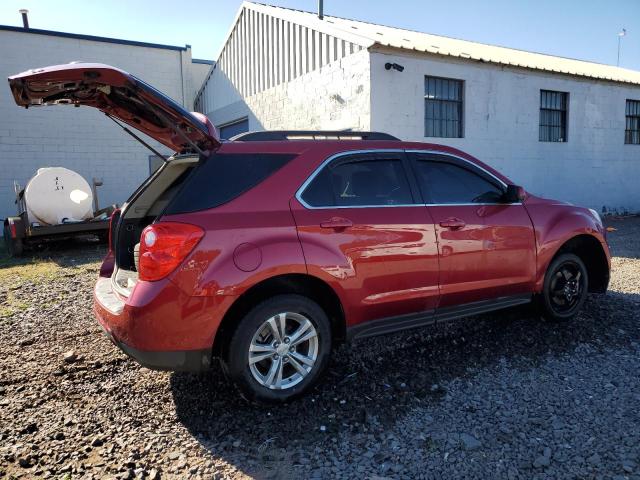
<point x="178" y="361"/>
<point x="158" y="325"/>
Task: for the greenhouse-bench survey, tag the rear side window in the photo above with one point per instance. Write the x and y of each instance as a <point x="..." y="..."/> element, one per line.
<point x="223" y="177"/>
<point x="448" y="183"/>
<point x="359" y="182"/>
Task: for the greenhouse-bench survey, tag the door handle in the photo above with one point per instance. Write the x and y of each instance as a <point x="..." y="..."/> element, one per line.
<point x="453" y="223"/>
<point x="337" y="223"/>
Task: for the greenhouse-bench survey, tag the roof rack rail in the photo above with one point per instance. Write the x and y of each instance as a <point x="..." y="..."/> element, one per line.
<point x="278" y="135"/>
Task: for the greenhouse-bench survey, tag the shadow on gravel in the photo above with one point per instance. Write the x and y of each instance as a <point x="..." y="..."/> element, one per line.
<point x="65" y="253"/>
<point x="623" y="239"/>
<point x="373" y="383"/>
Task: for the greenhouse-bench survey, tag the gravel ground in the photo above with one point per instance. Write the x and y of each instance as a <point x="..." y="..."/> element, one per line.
<point x="495" y="396"/>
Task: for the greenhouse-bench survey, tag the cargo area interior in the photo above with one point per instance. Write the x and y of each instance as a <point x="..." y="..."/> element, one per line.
<point x="144" y="207"/>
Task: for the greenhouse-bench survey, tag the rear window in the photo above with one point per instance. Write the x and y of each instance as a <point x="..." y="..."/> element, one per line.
<point x="223" y="177"/>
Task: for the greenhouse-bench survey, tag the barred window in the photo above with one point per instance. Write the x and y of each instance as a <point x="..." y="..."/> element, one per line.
<point x="443" y="107"/>
<point x="632" y="129"/>
<point x="553" y="116"/>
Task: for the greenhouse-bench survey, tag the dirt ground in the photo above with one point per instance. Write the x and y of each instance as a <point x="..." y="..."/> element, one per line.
<point x="496" y="396"/>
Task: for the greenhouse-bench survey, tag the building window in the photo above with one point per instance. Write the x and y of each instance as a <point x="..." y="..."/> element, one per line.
<point x="632" y="129"/>
<point x="553" y="116"/>
<point x="443" y="107"/>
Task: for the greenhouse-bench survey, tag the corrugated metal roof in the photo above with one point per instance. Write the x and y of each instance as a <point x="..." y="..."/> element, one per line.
<point x="371" y="35"/>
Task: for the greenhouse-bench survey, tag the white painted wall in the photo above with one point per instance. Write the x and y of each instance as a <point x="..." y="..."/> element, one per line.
<point x="199" y="72"/>
<point x="81" y="139"/>
<point x="333" y="97"/>
<point x="270" y="61"/>
<point x="501" y="111"/>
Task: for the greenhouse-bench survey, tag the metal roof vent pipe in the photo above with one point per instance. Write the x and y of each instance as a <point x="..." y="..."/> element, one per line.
<point x="320" y="10"/>
<point x="25" y="19"/>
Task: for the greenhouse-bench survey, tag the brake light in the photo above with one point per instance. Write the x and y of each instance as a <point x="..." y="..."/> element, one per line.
<point x="163" y="246"/>
<point x="113" y="220"/>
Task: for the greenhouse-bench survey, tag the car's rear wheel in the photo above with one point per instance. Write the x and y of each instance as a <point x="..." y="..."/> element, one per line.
<point x="279" y="349"/>
<point x="565" y="288"/>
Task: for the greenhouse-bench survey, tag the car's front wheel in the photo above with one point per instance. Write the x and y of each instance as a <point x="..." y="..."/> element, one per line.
<point x="565" y="288"/>
<point x="279" y="349"/>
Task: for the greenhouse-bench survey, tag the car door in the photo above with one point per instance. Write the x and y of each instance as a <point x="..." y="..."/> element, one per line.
<point x="364" y="230"/>
<point x="486" y="246"/>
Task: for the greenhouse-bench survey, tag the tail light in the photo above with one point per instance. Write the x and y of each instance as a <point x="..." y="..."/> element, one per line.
<point x="113" y="222"/>
<point x="163" y="246"/>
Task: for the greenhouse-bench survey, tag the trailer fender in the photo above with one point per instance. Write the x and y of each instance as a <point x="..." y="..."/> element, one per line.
<point x="16" y="227"/>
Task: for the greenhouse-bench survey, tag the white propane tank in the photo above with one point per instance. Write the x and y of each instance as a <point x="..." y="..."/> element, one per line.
<point x="58" y="195"/>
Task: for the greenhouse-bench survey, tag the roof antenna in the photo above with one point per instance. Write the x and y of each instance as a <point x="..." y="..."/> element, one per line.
<point x="320" y="10"/>
<point x="25" y="20"/>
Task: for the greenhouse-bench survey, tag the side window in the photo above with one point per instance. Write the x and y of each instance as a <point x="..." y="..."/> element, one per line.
<point x="359" y="182"/>
<point x="223" y="177"/>
<point x="447" y="183"/>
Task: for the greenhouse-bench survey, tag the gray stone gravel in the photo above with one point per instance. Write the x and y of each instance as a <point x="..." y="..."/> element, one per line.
<point x="496" y="396"/>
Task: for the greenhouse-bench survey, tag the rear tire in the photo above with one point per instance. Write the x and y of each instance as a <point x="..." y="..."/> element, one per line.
<point x="279" y="349"/>
<point x="14" y="246"/>
<point x="565" y="288"/>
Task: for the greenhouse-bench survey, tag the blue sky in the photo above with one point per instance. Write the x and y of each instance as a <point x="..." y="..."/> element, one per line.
<point x="585" y="29"/>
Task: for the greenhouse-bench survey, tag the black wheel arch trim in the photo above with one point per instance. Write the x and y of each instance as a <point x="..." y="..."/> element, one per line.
<point x="598" y="266"/>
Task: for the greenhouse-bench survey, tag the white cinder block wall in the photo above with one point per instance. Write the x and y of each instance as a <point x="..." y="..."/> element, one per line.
<point x="199" y="71"/>
<point x="281" y="75"/>
<point x="501" y="111"/>
<point x="81" y="139"/>
<point x="286" y="69"/>
<point x="334" y="97"/>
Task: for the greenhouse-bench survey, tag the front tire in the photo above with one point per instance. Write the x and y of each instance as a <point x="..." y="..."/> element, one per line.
<point x="279" y="349"/>
<point x="565" y="288"/>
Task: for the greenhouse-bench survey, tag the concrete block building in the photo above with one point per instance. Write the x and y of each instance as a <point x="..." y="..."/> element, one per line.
<point x="564" y="128"/>
<point x="83" y="139"/>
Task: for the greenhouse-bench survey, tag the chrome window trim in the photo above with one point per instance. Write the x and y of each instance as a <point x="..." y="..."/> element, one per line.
<point x="329" y="159"/>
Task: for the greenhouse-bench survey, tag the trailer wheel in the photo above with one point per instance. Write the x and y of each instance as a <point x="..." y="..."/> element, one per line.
<point x="14" y="246"/>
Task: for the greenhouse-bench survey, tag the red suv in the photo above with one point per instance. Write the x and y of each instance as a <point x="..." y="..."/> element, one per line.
<point x="268" y="250"/>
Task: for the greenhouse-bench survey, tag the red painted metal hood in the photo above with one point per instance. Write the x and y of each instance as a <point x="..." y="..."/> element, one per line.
<point x="120" y="95"/>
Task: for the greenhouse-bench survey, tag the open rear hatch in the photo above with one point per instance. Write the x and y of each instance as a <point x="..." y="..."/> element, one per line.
<point x="125" y="98"/>
<point x="142" y="209"/>
<point x="120" y="95"/>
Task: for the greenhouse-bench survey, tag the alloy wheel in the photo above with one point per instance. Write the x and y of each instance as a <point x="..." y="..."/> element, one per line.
<point x="566" y="287"/>
<point x="283" y="350"/>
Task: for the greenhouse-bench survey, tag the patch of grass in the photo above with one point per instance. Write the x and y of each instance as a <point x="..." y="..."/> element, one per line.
<point x="16" y="271"/>
<point x="11" y="305"/>
<point x="34" y="271"/>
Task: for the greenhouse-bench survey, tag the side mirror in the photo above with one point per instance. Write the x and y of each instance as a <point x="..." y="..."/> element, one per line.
<point x="514" y="194"/>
